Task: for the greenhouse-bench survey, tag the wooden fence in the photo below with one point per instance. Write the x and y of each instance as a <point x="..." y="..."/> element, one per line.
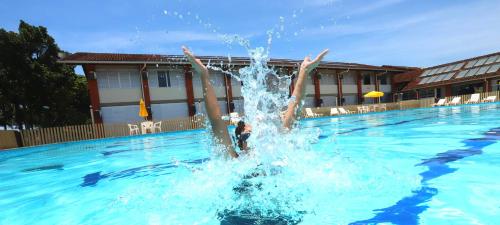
<point x="483" y="95"/>
<point x="50" y="135"/>
<point x="409" y="104"/>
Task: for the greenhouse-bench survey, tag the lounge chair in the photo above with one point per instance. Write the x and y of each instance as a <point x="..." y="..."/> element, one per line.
<point x="157" y="127"/>
<point x="310" y="113"/>
<point x="383" y="107"/>
<point x="441" y="102"/>
<point x="474" y="98"/>
<point x="343" y="111"/>
<point x="133" y="129"/>
<point x="361" y="109"/>
<point x="492" y="98"/>
<point x="334" y="111"/>
<point x="455" y="101"/>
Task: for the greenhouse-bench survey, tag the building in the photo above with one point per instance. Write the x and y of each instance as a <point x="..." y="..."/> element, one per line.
<point x="468" y="76"/>
<point x="117" y="82"/>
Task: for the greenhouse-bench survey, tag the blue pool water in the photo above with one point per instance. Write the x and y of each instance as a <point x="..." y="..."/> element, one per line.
<point x="422" y="166"/>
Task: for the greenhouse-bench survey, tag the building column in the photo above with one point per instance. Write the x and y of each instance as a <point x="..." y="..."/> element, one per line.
<point x="340" y="95"/>
<point x="229" y="93"/>
<point x="93" y="89"/>
<point x="360" y="89"/>
<point x="417" y="95"/>
<point x="188" y="78"/>
<point x="487" y="85"/>
<point x="145" y="91"/>
<point x="317" y="91"/>
<point x="447" y="91"/>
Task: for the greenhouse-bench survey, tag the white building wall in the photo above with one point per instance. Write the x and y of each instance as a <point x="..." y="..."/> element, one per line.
<point x="385" y="88"/>
<point x="200" y="107"/>
<point x="329" y="100"/>
<point x="328" y="89"/>
<point x="309" y="101"/>
<point x="117" y="95"/>
<point x="169" y="110"/>
<point x="350" y="99"/>
<point x="121" y="114"/>
<point x="349" y="89"/>
<point x="367" y="88"/>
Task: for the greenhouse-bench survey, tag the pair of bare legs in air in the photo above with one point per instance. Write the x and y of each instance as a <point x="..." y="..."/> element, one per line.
<point x="219" y="129"/>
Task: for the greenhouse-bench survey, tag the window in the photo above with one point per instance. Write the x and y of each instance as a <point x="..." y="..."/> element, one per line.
<point x="217" y="79"/>
<point x="118" y="79"/>
<point x="163" y="79"/>
<point x="328" y="79"/>
<point x="347" y="78"/>
<point x="102" y="80"/>
<point x="366" y="79"/>
<point x="383" y="80"/>
<point x="177" y="79"/>
<point x="114" y="81"/>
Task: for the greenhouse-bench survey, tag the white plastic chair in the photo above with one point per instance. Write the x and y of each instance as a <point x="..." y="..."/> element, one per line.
<point x="361" y="109"/>
<point x="343" y="111"/>
<point x="383" y="107"/>
<point x="334" y="111"/>
<point x="157" y="126"/>
<point x="441" y="102"/>
<point x="492" y="98"/>
<point x="474" y="98"/>
<point x="455" y="101"/>
<point x="310" y="113"/>
<point x="145" y="126"/>
<point x="133" y="129"/>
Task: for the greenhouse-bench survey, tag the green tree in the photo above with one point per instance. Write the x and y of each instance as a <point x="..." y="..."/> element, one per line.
<point x="36" y="90"/>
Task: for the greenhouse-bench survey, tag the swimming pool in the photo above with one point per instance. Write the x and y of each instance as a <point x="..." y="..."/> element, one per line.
<point x="422" y="166"/>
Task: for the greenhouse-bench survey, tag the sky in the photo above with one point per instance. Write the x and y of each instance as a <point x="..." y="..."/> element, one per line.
<point x="378" y="32"/>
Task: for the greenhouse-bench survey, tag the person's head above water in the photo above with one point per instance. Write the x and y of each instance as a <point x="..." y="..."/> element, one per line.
<point x="242" y="133"/>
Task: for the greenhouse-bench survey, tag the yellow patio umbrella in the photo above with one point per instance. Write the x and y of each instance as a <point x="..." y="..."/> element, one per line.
<point x="374" y="94"/>
<point x="143" y="112"/>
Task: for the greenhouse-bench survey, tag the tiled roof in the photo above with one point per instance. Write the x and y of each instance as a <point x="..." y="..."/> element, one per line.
<point x="118" y="58"/>
<point x="407" y="76"/>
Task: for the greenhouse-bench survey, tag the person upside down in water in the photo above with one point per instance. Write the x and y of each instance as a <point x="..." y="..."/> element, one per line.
<point x="243" y="130"/>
